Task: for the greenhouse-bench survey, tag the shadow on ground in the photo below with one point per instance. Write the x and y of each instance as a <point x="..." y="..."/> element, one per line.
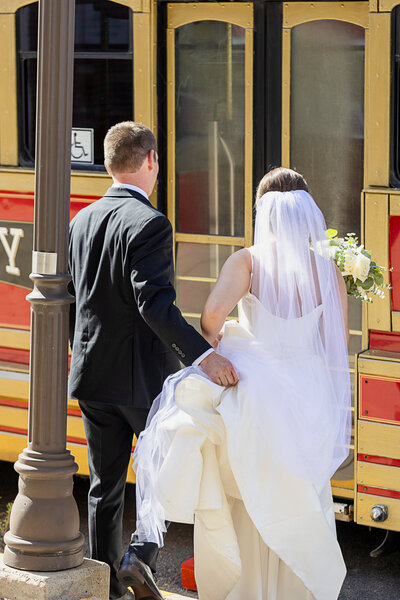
<point x="367" y="578"/>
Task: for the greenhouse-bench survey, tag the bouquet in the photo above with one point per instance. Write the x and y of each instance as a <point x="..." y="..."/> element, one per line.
<point x="362" y="275"/>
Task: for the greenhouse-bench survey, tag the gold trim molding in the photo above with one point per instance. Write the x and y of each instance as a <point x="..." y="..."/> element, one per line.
<point x="387" y="5"/>
<point x="297" y="13"/>
<point x="236" y="13"/>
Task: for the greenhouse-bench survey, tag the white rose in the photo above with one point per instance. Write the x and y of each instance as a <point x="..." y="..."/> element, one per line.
<point x="361" y="267"/>
<point x="349" y="261"/>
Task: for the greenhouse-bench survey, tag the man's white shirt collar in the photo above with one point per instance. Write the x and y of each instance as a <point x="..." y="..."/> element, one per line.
<point x="129" y="186"/>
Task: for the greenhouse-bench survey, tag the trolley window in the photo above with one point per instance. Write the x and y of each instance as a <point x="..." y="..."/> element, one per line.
<point x="395" y="101"/>
<point x="103" y="76"/>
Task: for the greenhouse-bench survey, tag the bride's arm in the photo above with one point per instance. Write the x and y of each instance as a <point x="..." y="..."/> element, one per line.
<point x="233" y="283"/>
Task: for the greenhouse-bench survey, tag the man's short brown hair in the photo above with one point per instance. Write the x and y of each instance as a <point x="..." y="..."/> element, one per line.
<point x="126" y="145"/>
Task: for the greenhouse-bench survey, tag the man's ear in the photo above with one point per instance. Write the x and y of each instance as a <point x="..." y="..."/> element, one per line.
<point x="151" y="160"/>
<point x="108" y="169"/>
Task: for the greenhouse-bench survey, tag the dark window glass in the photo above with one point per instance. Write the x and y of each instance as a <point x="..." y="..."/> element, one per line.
<point x="101" y="26"/>
<point x="210" y="127"/>
<point x="103" y="74"/>
<point x="395" y="130"/>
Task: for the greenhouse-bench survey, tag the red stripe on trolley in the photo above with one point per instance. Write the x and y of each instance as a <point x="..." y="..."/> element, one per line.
<point x="70" y="439"/>
<point x="5" y="429"/>
<point x="14" y="403"/>
<point x="15" y="355"/>
<point x="24" y="432"/>
<point x="379" y="460"/>
<point x="72" y="412"/>
<point x="31" y="194"/>
<point x="378" y="491"/>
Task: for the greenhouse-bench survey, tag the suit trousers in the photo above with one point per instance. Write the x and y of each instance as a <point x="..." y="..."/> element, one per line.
<point x="109" y="432"/>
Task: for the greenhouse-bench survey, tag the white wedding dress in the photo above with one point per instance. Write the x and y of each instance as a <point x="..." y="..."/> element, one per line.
<point x="246" y="464"/>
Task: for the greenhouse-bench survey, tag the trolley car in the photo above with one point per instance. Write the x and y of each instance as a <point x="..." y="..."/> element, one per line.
<point x="231" y="89"/>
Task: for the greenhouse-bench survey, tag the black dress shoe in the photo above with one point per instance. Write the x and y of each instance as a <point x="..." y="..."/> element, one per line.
<point x="134" y="573"/>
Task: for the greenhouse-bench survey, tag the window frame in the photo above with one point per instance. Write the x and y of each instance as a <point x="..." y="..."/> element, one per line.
<point x="25" y="160"/>
<point x="394" y="172"/>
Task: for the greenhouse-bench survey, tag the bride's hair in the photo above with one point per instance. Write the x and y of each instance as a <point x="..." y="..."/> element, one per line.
<point x="281" y="180"/>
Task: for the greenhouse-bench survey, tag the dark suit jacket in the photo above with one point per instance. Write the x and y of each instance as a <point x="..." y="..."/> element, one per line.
<point x="126" y="333"/>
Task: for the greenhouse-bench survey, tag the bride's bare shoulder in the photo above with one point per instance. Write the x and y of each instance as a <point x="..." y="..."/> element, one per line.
<point x="241" y="259"/>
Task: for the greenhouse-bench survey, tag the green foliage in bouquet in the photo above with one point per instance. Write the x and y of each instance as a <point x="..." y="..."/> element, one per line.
<point x="363" y="277"/>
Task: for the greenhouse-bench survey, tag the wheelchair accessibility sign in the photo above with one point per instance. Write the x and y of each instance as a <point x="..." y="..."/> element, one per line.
<point x="82" y="145"/>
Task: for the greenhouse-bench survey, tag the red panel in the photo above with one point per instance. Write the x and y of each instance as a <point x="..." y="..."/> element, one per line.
<point x="14" y="355"/>
<point x="384" y="340"/>
<point x="378" y="491"/>
<point x="394" y="257"/>
<point x="380" y="400"/>
<point x="15" y="310"/>
<point x="379" y="460"/>
<point x="187" y="571"/>
<point x="18" y="206"/>
<point x="193" y="202"/>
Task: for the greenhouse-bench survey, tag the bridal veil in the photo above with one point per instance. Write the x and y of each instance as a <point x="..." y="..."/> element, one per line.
<point x="292" y="402"/>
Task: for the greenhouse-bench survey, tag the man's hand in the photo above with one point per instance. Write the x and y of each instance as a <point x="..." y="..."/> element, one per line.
<point x="219" y="369"/>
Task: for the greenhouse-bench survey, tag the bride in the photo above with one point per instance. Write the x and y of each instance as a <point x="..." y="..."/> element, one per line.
<point x="250" y="465"/>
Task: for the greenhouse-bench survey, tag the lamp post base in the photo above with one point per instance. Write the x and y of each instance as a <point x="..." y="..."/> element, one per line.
<point x="44" y="525"/>
<point x="29" y="562"/>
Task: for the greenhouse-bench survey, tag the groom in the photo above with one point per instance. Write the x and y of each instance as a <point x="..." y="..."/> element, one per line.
<point x="127" y="336"/>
